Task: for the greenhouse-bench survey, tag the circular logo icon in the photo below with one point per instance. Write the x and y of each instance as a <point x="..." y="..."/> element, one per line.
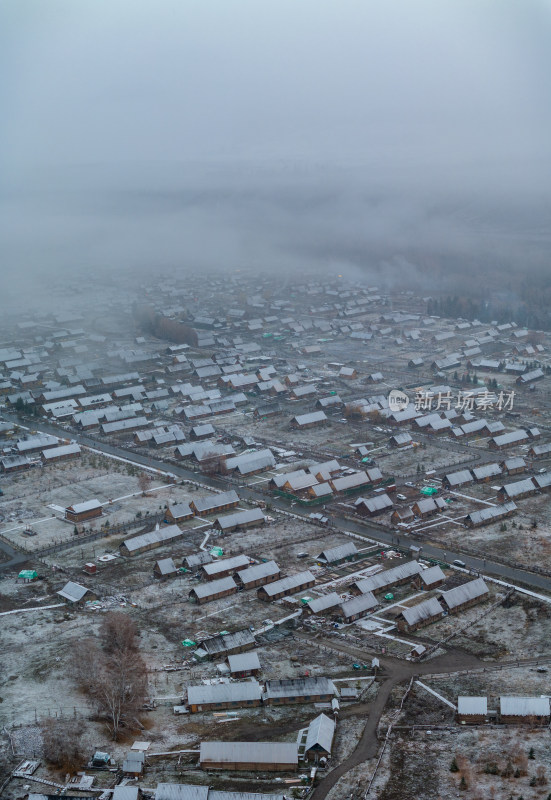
<point x="397" y="400"/>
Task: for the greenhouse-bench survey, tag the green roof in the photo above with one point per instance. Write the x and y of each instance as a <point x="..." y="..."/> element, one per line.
<point x="28" y="574"/>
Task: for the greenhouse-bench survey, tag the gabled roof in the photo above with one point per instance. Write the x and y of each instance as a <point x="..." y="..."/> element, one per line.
<point x="179" y="791"/>
<point x="299" y="687"/>
<point x="432" y="575"/>
<point x="462" y="594"/>
<point x="73" y="591"/>
<point x="214" y="587"/>
<point x="249" y="753"/>
<point x="472" y="706"/>
<point x="320" y="604"/>
<point x="224" y="693"/>
<point x="320" y="734"/>
<point x="212" y="501"/>
<point x="364" y="602"/>
<point x="258" y="571"/>
<point x="82" y="508"/>
<point x="244" y="662"/>
<point x="389" y="577"/>
<point x="333" y="554"/>
<point x="241" y="518"/>
<point x="226" y="564"/>
<point x="524" y="706"/>
<point x="425" y="610"/>
<point x="288" y="584"/>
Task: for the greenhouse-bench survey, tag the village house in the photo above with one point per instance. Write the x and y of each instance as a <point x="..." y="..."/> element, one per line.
<point x="258" y="575"/>
<point x="325" y="604"/>
<point x="61" y="453"/>
<point x="372" y="506"/>
<point x="486" y="472"/>
<point x="455" y="479"/>
<point x="516" y="491"/>
<point x="216" y="697"/>
<point x="249" y="756"/>
<point x="240" y="519"/>
<point x="244" y="665"/>
<point x="221" y="569"/>
<point x="485" y="516"/>
<point x="382" y="581"/>
<point x="508" y="440"/>
<point x="151" y="540"/>
<point x="311" y="420"/>
<point x="196" y="560"/>
<point x="219" y="647"/>
<point x="286" y="586"/>
<point x="319" y="738"/>
<point x="358" y="607"/>
<point x="430" y="578"/>
<point x="79" y="512"/>
<point x="178" y="513"/>
<point x="350" y="483"/>
<point x="524" y="710"/>
<point x="427" y="506"/>
<point x="402" y="516"/>
<point x="339" y="554"/>
<point x="514" y="466"/>
<point x="414" y="617"/>
<point x="212" y="590"/>
<point x="464" y="596"/>
<point x="472" y="710"/>
<point x="299" y="690"/>
<point x="165" y="568"/>
<point x="214" y="503"/>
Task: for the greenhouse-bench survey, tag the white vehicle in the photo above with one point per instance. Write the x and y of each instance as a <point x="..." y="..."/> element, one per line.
<point x="401" y="497"/>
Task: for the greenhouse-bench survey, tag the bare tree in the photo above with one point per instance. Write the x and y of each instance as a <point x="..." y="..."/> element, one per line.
<point x="61" y="743"/>
<point x="143" y="482"/>
<point x="118" y="632"/>
<point x="112" y="674"/>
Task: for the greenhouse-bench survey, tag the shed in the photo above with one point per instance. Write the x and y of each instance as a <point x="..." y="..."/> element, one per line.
<point x="76" y="594"/>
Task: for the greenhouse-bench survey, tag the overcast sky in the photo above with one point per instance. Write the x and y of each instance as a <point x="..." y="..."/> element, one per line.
<point x="328" y="98"/>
